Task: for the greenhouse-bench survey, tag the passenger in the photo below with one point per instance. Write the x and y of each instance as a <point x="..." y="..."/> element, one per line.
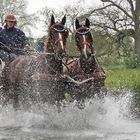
<point x="40" y="47"/>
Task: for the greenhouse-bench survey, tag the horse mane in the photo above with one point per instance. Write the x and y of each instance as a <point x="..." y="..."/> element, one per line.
<point x="47" y="39"/>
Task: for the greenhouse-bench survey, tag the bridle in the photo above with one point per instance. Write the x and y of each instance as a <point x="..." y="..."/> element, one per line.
<point x="83" y="31"/>
<point x="59" y="31"/>
<point x="60" y="40"/>
<point x="87" y="30"/>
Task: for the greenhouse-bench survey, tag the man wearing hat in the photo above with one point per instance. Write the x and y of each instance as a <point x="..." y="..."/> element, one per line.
<point x="12" y="39"/>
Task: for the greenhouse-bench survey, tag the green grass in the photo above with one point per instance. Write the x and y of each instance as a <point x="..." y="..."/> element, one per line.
<point x="123" y="78"/>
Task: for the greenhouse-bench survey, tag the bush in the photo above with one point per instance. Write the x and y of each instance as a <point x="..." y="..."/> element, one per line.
<point x="130" y="62"/>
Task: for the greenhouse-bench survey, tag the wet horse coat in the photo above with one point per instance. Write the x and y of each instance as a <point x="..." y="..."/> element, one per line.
<point x="38" y="77"/>
<point x="85" y="68"/>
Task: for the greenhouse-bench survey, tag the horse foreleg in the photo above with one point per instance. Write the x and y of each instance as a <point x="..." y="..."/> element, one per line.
<point x="6" y="92"/>
<point x="15" y="97"/>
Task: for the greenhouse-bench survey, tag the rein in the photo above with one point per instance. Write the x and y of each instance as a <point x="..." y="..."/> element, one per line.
<point x="11" y="50"/>
<point x="78" y="82"/>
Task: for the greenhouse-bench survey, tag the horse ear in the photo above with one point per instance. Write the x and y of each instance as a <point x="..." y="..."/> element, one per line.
<point x="63" y="20"/>
<point x="52" y="20"/>
<point x="87" y="23"/>
<point x="77" y="24"/>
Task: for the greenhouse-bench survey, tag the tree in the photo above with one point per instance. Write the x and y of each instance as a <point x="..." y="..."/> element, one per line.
<point x="45" y="14"/>
<point x="72" y="12"/>
<point x="121" y="17"/>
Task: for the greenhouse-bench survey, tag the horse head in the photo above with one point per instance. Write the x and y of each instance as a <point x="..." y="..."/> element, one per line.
<point x="83" y="38"/>
<point x="57" y="35"/>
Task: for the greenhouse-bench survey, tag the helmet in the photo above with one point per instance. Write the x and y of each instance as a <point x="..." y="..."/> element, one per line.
<point x="10" y="17"/>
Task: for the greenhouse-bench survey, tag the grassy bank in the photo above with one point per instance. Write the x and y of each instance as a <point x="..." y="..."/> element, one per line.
<point x="129" y="79"/>
<point x="123" y="78"/>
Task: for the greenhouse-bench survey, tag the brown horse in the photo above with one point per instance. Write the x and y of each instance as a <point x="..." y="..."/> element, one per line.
<point x="86" y="75"/>
<point x="38" y="77"/>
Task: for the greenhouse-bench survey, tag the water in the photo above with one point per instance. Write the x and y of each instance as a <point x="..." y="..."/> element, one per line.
<point x="107" y="119"/>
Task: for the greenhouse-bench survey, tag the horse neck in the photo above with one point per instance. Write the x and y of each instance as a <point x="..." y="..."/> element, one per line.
<point x="88" y="65"/>
<point x="49" y="47"/>
<point x="54" y="63"/>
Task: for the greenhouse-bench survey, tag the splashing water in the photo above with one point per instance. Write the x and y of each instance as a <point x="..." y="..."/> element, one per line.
<point x="106" y="119"/>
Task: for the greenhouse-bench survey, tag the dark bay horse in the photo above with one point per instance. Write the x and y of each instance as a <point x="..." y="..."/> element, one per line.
<point x="38" y="77"/>
<point x="86" y="75"/>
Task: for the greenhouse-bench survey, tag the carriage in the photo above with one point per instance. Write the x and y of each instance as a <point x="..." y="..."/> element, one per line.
<point x="48" y="76"/>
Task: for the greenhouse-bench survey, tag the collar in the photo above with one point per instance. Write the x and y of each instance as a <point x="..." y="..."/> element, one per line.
<point x="10" y="29"/>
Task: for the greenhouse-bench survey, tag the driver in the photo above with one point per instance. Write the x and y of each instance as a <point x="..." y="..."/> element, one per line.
<point x="12" y="39"/>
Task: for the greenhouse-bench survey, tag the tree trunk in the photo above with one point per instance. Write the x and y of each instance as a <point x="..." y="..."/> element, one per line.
<point x="137" y="31"/>
<point x="137" y="43"/>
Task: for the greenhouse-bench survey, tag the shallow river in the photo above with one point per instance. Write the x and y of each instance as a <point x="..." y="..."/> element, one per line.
<point x="109" y="119"/>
